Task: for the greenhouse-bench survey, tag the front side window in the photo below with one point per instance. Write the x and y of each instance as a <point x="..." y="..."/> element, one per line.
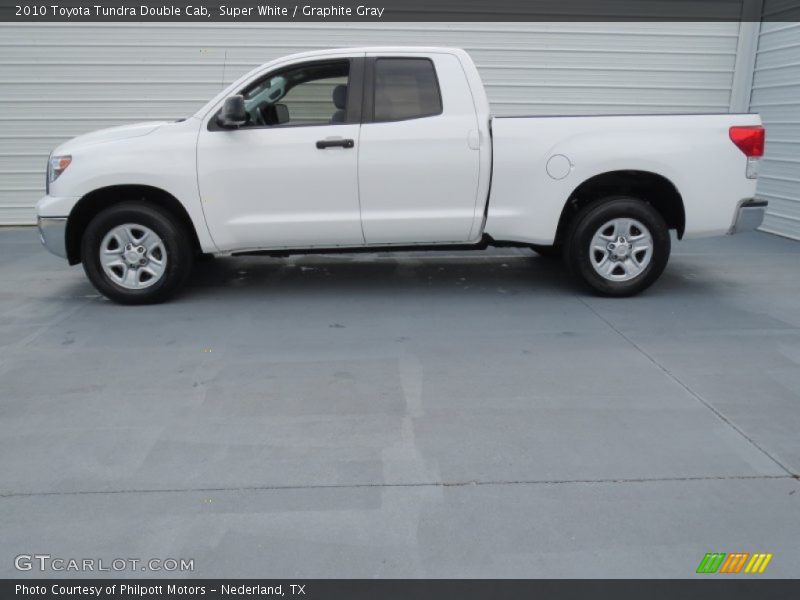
<point x="309" y="94"/>
<point x="405" y="88"/>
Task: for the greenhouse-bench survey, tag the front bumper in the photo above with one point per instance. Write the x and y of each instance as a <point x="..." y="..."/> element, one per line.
<point x="52" y="232"/>
<point x="749" y="216"/>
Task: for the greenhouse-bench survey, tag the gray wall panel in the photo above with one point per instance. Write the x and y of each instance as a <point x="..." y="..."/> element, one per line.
<point x="776" y="95"/>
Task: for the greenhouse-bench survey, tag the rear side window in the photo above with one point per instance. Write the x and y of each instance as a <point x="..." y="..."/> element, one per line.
<point x="406" y="88"/>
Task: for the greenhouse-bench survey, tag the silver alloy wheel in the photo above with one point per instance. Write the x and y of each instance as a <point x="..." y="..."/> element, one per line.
<point x="621" y="249"/>
<point x="133" y="256"/>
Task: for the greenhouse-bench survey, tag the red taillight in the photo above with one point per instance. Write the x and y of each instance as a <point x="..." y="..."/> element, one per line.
<point x="749" y="139"/>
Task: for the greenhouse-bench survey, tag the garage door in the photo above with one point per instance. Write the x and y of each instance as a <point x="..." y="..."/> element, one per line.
<point x="776" y="95"/>
<point x="57" y="80"/>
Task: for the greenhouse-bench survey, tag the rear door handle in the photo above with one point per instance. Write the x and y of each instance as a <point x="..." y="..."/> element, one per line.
<point x="330" y="143"/>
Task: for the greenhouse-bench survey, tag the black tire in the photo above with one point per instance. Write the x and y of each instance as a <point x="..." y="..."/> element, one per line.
<point x="548" y="251"/>
<point x="589" y="221"/>
<point x="176" y="243"/>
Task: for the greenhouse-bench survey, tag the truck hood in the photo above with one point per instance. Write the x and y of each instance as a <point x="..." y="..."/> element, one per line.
<point x="108" y="135"/>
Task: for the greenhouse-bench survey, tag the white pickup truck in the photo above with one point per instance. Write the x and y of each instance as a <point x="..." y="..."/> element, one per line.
<point x="362" y="149"/>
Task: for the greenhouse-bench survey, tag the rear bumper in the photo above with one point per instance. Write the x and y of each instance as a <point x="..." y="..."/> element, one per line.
<point x="749" y="216"/>
<point x="52" y="232"/>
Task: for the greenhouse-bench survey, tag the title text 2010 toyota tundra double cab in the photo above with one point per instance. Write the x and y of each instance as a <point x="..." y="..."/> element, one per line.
<point x="387" y="148"/>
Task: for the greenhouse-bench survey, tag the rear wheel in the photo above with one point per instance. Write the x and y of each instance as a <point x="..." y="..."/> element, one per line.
<point x="618" y="246"/>
<point x="136" y="253"/>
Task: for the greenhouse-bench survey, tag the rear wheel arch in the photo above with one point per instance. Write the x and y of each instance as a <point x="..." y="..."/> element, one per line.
<point x="652" y="188"/>
<point x="100" y="199"/>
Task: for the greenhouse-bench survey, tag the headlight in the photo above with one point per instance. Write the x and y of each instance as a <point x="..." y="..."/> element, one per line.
<point x="56" y="166"/>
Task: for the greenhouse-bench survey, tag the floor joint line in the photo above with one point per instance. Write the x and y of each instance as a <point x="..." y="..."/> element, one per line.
<point x="694" y="394"/>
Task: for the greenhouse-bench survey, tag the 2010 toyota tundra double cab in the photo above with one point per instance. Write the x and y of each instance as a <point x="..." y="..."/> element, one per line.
<point x="392" y="148"/>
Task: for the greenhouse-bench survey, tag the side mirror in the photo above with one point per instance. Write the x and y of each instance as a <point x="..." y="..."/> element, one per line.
<point x="233" y="113"/>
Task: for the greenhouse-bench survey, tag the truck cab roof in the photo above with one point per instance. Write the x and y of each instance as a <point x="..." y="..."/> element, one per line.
<point x="375" y="50"/>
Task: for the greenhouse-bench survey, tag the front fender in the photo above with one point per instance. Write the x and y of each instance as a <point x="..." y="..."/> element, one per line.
<point x="164" y="159"/>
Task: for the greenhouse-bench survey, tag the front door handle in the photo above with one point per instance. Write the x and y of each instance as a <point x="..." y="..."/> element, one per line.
<point x="330" y="143"/>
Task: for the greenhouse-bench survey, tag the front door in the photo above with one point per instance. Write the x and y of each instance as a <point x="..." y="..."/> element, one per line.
<point x="289" y="176"/>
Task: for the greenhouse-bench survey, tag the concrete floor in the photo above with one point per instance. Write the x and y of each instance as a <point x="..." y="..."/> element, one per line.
<point x="425" y="415"/>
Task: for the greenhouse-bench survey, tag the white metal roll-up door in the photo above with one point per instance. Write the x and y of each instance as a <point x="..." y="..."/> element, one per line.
<point x="61" y="80"/>
<point x="776" y="96"/>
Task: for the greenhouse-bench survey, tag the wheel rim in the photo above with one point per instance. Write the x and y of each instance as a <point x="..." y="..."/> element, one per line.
<point x="133" y="256"/>
<point x="621" y="249"/>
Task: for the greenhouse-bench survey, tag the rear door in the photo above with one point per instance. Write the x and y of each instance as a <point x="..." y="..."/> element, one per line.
<point x="418" y="157"/>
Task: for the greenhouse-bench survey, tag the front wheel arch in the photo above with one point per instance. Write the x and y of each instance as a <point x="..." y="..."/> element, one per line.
<point x="102" y="198"/>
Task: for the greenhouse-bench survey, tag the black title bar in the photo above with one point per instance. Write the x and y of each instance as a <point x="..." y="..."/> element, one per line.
<point x="712" y="586"/>
<point x="207" y="11"/>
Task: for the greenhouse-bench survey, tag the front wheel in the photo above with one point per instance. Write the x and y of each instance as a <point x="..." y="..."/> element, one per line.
<point x="136" y="253"/>
<point x="618" y="246"/>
